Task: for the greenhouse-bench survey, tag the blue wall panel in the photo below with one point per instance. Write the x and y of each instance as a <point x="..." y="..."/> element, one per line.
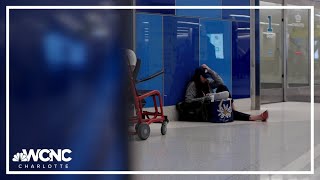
<point x="199" y="13"/>
<point x="149" y="50"/>
<point x="156" y="3"/>
<point x="236" y="14"/>
<point x="181" y="56"/>
<point x="216" y="48"/>
<point x="241" y="59"/>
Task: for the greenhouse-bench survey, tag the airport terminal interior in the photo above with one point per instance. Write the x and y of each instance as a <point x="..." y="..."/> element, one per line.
<point x="240" y="65"/>
<point x="265" y="63"/>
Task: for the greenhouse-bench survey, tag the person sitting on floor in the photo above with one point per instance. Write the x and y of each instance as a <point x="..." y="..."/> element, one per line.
<point x="203" y="83"/>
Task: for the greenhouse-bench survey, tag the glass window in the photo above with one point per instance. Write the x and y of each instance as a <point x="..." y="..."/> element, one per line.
<point x="298" y="48"/>
<point x="271" y="61"/>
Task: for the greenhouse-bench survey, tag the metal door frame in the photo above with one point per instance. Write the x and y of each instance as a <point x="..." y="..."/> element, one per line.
<point x="284" y="51"/>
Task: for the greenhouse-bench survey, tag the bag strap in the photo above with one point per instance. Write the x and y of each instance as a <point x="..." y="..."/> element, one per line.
<point x="220" y="104"/>
<point x="230" y="100"/>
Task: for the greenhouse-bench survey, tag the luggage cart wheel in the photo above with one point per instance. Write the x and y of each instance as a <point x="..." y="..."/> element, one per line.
<point x="143" y="131"/>
<point x="164" y="128"/>
<point x="137" y="126"/>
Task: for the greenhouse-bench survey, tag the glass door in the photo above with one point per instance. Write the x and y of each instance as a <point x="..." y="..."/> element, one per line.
<point x="298" y="55"/>
<point x="271" y="54"/>
<point x="285" y="52"/>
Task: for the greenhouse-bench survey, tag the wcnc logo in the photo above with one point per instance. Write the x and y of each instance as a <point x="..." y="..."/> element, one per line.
<point x="43" y="158"/>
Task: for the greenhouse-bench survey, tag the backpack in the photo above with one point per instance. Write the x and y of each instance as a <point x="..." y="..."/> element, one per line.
<point x="194" y="111"/>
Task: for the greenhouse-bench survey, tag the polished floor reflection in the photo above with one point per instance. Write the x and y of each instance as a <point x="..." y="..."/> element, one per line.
<point x="281" y="144"/>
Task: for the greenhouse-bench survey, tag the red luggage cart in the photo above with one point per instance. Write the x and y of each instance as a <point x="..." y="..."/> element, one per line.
<point x="142" y="119"/>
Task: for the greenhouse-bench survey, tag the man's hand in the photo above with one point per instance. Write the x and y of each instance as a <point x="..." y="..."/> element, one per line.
<point x="204" y="66"/>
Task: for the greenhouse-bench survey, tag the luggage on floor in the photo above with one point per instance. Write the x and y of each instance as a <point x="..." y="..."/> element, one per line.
<point x="195" y="111"/>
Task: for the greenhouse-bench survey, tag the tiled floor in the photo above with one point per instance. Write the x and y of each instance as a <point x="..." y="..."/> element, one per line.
<point x="283" y="143"/>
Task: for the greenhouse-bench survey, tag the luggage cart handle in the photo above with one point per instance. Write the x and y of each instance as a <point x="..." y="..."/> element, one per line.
<point x="150" y="77"/>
